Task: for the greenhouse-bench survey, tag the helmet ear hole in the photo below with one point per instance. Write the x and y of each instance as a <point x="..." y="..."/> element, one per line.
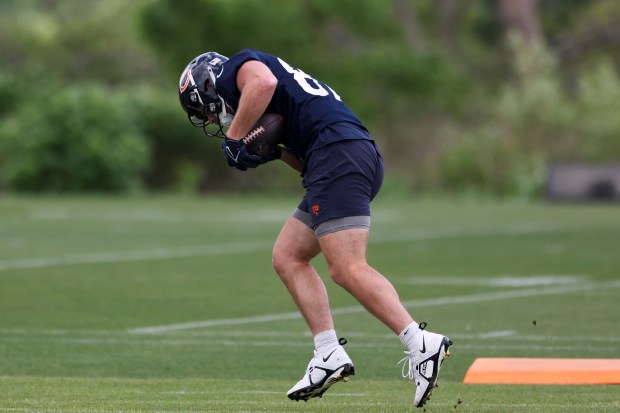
<point x="193" y="96"/>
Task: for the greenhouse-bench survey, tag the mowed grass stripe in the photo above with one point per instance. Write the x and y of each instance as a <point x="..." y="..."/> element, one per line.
<point x="439" y="301"/>
<point x="66" y="394"/>
<point x="524" y="228"/>
<point x="277" y="336"/>
<point x="206" y="342"/>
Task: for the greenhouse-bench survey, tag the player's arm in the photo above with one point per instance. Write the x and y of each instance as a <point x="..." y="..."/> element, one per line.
<point x="257" y="84"/>
<point x="291" y="160"/>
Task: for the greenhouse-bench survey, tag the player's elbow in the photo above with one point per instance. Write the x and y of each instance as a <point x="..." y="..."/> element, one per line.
<point x="266" y="83"/>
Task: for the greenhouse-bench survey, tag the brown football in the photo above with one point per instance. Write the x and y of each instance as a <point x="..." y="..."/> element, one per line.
<point x="267" y="132"/>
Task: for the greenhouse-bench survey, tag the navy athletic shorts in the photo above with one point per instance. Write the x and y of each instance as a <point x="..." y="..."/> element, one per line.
<point x="341" y="179"/>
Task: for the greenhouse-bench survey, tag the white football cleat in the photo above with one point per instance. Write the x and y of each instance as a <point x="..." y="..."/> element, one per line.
<point x="424" y="363"/>
<point x="323" y="371"/>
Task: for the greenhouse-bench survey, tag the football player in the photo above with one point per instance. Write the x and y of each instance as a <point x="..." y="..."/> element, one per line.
<point x="342" y="172"/>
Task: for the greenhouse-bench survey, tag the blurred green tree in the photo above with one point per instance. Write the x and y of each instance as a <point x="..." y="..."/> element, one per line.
<point x="435" y="80"/>
<point x="82" y="139"/>
<point x="534" y="122"/>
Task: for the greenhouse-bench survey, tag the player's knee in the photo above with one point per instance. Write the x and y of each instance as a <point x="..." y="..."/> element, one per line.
<point x="344" y="274"/>
<point x="278" y="260"/>
<point x="283" y="261"/>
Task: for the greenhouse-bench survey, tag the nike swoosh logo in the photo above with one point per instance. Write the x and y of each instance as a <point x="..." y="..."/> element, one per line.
<point x="234" y="158"/>
<point x="328" y="356"/>
<point x="221" y="71"/>
<point x="423" y="346"/>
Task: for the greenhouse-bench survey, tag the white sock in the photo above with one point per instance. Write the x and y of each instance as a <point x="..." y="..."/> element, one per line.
<point x="325" y="341"/>
<point x="406" y="336"/>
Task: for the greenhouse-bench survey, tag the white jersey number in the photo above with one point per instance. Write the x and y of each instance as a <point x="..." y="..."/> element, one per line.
<point x="307" y="82"/>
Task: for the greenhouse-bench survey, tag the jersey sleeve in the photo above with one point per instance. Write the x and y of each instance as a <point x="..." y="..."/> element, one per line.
<point x="226" y="80"/>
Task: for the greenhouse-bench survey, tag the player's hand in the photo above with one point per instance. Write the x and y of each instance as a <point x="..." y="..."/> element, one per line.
<point x="237" y="155"/>
<point x="275" y="153"/>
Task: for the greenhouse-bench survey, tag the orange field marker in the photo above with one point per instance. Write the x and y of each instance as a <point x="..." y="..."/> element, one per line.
<point x="543" y="371"/>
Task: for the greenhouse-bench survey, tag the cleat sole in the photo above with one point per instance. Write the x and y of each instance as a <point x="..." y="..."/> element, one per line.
<point x="317" y="390"/>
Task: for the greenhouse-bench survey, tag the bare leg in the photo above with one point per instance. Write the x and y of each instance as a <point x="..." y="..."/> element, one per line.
<point x="295" y="247"/>
<point x="345" y="253"/>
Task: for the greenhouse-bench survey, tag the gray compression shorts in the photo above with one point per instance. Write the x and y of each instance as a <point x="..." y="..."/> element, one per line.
<point x="332" y="225"/>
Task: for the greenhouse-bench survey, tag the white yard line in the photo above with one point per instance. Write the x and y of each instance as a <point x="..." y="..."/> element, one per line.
<point x="216" y="323"/>
<point x="127" y="256"/>
<point x="502" y="281"/>
<point x="448" y="300"/>
<point x="263" y="245"/>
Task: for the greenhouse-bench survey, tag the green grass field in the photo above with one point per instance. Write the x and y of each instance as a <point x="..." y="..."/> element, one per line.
<point x="170" y="304"/>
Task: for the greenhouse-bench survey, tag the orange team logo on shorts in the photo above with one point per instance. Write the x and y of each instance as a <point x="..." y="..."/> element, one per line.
<point x="315" y="209"/>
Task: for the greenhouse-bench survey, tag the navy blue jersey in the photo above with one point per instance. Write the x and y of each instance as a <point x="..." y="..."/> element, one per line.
<point x="307" y="105"/>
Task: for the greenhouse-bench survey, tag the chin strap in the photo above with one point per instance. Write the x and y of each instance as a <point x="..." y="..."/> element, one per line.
<point x="224" y="117"/>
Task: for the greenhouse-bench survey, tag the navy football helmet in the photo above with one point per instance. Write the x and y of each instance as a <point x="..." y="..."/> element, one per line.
<point x="197" y="94"/>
